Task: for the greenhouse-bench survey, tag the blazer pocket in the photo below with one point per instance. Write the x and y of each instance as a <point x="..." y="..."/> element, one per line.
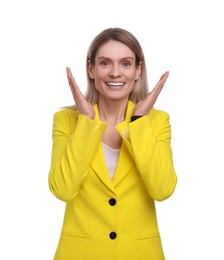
<point x="151" y="237"/>
<point x="76" y="236"/>
<point x="148" y="247"/>
<point x="74" y="246"/>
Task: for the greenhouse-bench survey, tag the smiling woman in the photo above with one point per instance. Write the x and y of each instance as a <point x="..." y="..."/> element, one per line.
<point x="111" y="157"/>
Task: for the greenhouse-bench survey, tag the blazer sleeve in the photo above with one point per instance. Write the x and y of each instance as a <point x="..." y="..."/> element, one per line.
<point x="148" y="140"/>
<point x="75" y="140"/>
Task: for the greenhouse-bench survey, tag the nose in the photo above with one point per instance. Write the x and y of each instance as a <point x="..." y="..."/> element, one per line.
<point x="115" y="71"/>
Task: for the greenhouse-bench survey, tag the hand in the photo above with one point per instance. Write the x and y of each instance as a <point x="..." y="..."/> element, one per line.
<point x="144" y="106"/>
<point x="83" y="106"/>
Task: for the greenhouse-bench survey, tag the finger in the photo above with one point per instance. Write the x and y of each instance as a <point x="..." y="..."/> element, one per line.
<point x="72" y="83"/>
<point x="165" y="76"/>
<point x="161" y="82"/>
<point x="69" y="74"/>
<point x="70" y="77"/>
<point x="153" y="95"/>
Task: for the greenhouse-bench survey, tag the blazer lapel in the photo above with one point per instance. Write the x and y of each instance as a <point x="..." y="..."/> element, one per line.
<point x="98" y="163"/>
<point x="125" y="163"/>
<point x="99" y="166"/>
<point x="125" y="160"/>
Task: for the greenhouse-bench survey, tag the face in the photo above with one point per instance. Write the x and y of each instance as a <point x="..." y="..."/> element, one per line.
<point x="115" y="71"/>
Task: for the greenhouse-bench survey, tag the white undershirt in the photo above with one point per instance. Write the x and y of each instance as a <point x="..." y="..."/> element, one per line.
<point x="111" y="158"/>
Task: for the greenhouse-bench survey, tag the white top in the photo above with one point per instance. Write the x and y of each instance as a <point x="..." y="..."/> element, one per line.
<point x="111" y="157"/>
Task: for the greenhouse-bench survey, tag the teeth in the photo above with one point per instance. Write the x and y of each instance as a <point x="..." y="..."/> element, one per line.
<point x="115" y="84"/>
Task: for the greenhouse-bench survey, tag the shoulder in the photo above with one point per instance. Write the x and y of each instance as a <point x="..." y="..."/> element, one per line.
<point x="157" y="114"/>
<point x="159" y="119"/>
<point x="67" y="113"/>
<point x="65" y="118"/>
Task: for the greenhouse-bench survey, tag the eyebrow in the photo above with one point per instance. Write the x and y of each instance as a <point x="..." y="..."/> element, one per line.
<point x="124" y="58"/>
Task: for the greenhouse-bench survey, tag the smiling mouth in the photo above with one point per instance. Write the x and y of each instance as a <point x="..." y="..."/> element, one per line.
<point x="115" y="84"/>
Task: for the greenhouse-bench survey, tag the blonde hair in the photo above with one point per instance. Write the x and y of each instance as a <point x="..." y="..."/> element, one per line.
<point x="117" y="34"/>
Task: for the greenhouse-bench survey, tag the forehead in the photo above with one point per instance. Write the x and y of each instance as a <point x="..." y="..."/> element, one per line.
<point x="115" y="50"/>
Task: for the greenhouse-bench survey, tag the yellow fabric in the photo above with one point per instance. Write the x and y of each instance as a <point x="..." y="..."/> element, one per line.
<point x="79" y="176"/>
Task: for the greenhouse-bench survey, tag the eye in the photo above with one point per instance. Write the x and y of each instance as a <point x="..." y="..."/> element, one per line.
<point x="126" y="64"/>
<point x="104" y="63"/>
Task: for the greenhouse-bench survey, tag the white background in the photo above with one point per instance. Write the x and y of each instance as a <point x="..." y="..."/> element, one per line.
<point x="38" y="39"/>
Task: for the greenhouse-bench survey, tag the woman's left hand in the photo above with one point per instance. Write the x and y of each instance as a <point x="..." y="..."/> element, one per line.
<point x="144" y="106"/>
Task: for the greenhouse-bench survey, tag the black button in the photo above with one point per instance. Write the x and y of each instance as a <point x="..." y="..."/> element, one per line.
<point x="112" y="202"/>
<point x="113" y="235"/>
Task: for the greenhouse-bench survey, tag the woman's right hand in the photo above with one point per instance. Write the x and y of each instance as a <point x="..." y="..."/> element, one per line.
<point x="83" y="106"/>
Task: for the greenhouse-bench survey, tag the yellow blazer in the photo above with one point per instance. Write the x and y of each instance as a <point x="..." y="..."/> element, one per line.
<point x="111" y="219"/>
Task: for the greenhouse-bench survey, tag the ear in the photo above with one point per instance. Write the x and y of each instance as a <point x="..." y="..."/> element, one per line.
<point x="138" y="71"/>
<point x="90" y="70"/>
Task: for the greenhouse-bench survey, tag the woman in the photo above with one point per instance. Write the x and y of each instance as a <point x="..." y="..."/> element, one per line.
<point x="111" y="157"/>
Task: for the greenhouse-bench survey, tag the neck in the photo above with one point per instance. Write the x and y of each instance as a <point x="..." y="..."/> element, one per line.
<point x="112" y="111"/>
